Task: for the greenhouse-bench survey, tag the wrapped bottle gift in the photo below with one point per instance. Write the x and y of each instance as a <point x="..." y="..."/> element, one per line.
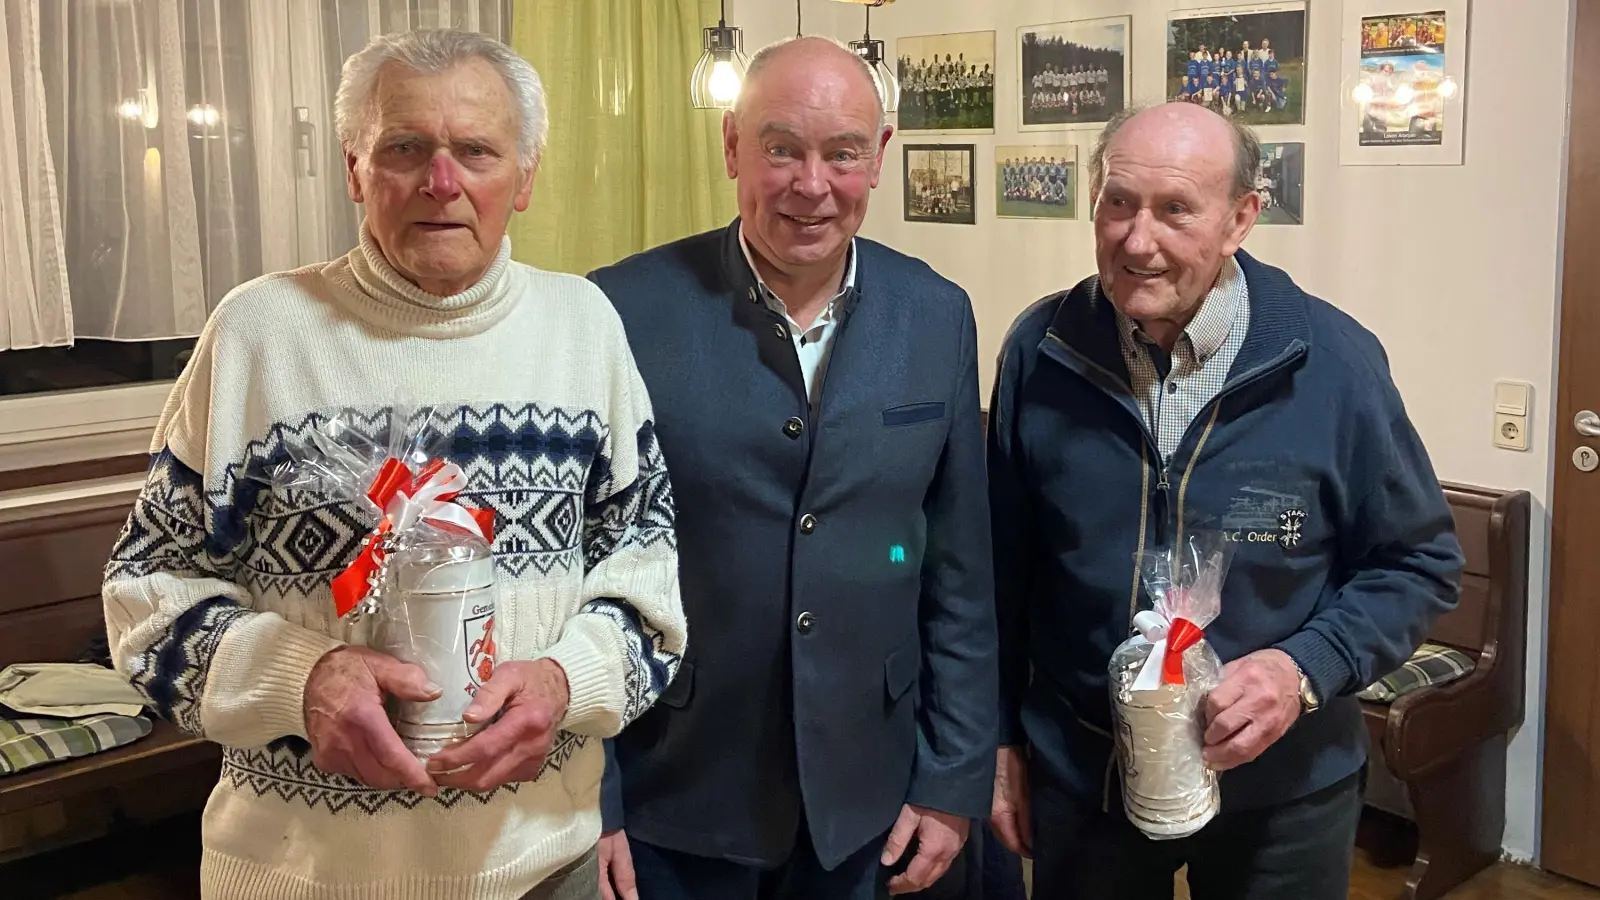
<point x="422" y="588"/>
<point x="1159" y="680"/>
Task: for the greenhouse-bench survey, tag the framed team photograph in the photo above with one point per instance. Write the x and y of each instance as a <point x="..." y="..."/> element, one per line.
<point x="938" y="184"/>
<point x="1036" y="182"/>
<point x="1280" y="181"/>
<point x="1072" y="74"/>
<point x="1245" y="62"/>
<point x="1404" y="81"/>
<point x="946" y="82"/>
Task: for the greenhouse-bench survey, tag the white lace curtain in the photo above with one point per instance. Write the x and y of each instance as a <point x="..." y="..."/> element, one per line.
<point x="156" y="153"/>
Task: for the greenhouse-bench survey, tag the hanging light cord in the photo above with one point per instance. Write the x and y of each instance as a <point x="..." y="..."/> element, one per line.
<point x="722" y="19"/>
<point x="797" y="31"/>
<point x="868" y="35"/>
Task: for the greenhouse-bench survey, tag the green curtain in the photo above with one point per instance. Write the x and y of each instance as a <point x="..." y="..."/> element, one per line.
<point x="630" y="164"/>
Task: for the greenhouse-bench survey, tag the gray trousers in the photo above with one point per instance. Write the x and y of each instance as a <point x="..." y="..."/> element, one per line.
<point x="578" y="880"/>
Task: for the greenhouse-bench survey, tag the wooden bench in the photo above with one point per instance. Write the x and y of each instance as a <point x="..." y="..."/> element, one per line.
<point x="52" y="564"/>
<point x="1439" y="753"/>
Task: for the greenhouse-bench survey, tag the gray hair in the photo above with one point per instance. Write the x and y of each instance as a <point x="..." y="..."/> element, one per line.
<point x="1246" y="153"/>
<point x="772" y="51"/>
<point x="436" y="50"/>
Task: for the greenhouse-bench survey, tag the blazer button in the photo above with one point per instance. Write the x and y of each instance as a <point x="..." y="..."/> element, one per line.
<point x="780" y="331"/>
<point x="794" y="427"/>
<point x="808" y="523"/>
<point x="805" y="622"/>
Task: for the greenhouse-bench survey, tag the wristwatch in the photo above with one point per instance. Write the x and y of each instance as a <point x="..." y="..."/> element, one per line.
<point x="1308" y="694"/>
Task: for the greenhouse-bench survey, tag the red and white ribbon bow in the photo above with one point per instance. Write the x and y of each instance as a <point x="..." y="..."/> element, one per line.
<point x="1168" y="641"/>
<point x="406" y="502"/>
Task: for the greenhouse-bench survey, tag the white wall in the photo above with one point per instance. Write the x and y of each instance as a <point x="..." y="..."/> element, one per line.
<point x="1454" y="268"/>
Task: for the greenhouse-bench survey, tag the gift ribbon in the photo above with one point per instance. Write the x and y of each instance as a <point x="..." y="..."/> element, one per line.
<point x="1168" y="641"/>
<point x="405" y="502"/>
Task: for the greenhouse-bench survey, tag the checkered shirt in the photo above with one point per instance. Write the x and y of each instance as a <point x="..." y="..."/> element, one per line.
<point x="1200" y="360"/>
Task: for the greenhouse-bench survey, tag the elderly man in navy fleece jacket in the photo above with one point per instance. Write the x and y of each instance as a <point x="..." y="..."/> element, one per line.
<point x="1190" y="384"/>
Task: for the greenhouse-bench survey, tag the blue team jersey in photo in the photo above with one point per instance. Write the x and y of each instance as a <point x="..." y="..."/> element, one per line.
<point x="1194" y="68"/>
<point x="1272" y="65"/>
<point x="1205" y="68"/>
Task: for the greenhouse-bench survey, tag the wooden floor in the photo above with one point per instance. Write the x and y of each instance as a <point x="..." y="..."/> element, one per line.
<point x="164" y="865"/>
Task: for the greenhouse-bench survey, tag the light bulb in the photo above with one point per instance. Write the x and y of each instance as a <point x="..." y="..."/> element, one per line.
<point x="1362" y="93"/>
<point x="1447" y="87"/>
<point x="204" y="115"/>
<point x="130" y="110"/>
<point x="1404" y="94"/>
<point x="725" y="82"/>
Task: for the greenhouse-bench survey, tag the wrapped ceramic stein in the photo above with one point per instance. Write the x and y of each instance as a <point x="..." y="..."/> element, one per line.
<point x="1159" y="680"/>
<point x="422" y="587"/>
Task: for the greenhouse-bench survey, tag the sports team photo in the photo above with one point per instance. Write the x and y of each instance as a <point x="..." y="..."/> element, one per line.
<point x="1247" y="62"/>
<point x="946" y="82"/>
<point x="1403" y="86"/>
<point x="1073" y="73"/>
<point x="1280" y="181"/>
<point x="1039" y="182"/>
<point x="938" y="184"/>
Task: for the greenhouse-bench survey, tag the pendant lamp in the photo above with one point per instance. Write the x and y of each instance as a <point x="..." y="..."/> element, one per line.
<point x="720" y="72"/>
<point x="883" y="77"/>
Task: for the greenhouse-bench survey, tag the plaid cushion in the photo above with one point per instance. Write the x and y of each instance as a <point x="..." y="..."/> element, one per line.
<point x="29" y="742"/>
<point x="1431" y="665"/>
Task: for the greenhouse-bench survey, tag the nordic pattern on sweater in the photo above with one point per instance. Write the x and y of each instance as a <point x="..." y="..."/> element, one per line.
<point x="553" y="473"/>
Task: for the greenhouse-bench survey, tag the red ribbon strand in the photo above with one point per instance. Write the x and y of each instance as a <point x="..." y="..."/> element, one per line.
<point x="1180" y="637"/>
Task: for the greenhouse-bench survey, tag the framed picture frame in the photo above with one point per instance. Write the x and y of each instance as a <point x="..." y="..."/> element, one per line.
<point x="947" y="82"/>
<point x="1073" y="74"/>
<point x="1247" y="61"/>
<point x="1281" y="180"/>
<point x="938" y="184"/>
<point x="1036" y="181"/>
<point x="1403" y="81"/>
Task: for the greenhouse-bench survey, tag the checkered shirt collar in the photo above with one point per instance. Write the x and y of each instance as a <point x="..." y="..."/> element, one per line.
<point x="1211" y="324"/>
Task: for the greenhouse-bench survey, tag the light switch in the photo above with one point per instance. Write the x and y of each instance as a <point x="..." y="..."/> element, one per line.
<point x="1513" y="401"/>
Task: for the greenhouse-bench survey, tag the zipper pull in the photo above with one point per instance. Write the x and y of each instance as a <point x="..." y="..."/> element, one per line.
<point x="1163" y="484"/>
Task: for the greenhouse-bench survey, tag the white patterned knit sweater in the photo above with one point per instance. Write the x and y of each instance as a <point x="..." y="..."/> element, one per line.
<point x="218" y="600"/>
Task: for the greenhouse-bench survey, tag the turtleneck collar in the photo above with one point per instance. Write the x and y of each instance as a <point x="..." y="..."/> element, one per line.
<point x="384" y="297"/>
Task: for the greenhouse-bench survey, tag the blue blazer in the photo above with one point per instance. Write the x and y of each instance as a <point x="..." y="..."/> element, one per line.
<point x="835" y="564"/>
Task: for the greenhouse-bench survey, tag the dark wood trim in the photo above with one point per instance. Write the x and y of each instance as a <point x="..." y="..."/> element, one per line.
<point x="70" y="472"/>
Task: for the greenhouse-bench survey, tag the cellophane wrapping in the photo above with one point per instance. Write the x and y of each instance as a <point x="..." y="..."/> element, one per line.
<point x="1167" y="789"/>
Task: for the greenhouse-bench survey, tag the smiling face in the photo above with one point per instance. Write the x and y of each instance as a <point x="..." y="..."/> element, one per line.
<point x="437" y="171"/>
<point x="1166" y="219"/>
<point x="805" y="147"/>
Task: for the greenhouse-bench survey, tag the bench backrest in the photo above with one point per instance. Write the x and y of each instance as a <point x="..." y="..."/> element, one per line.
<point x="51" y="566"/>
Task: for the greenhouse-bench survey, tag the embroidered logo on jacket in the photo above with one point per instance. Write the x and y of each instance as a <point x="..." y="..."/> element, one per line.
<point x="1289" y="522"/>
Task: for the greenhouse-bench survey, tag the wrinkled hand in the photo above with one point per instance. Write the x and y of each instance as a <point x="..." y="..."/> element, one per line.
<point x="939" y="838"/>
<point x="531" y="700"/>
<point x="1010" y="817"/>
<point x="1257" y="701"/>
<point x="616" y="868"/>
<point x="346" y="723"/>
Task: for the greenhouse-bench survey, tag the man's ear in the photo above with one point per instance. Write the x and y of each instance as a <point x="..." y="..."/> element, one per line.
<point x="883" y="147"/>
<point x="1245" y="213"/>
<point x="525" y="188"/>
<point x="730" y="143"/>
<point x="352" y="184"/>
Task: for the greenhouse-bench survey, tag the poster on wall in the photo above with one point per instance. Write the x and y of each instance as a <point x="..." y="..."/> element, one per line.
<point x="1280" y="180"/>
<point x="946" y="82"/>
<point x="939" y="184"/>
<point x="1072" y="73"/>
<point x="1245" y="62"/>
<point x="1036" y="182"/>
<point x="1404" y="71"/>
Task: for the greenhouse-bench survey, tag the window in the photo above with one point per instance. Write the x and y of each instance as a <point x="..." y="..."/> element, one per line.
<point x="154" y="154"/>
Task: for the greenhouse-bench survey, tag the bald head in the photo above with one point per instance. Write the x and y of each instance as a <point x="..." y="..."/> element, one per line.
<point x="811" y="63"/>
<point x="1193" y="136"/>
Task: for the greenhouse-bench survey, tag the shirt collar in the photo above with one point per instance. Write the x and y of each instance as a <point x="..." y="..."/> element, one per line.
<point x="1211" y="325"/>
<point x="848" y="283"/>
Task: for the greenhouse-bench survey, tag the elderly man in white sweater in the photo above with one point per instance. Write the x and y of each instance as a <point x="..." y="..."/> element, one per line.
<point x="217" y="596"/>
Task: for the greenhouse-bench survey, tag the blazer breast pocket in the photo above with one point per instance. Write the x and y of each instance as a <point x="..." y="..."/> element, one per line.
<point x="912" y="413"/>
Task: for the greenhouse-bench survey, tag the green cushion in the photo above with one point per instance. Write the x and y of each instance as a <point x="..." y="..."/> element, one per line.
<point x="26" y="742"/>
<point x="1430" y="666"/>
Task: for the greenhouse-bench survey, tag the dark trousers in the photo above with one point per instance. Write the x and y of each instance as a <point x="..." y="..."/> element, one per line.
<point x="1300" y="850"/>
<point x="669" y="875"/>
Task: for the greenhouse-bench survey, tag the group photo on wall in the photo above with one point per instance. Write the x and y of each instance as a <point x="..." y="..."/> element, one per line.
<point x="1072" y="73"/>
<point x="946" y="82"/>
<point x="1247" y="62"/>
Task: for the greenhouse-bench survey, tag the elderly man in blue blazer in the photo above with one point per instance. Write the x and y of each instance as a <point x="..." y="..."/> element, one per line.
<point x="832" y="731"/>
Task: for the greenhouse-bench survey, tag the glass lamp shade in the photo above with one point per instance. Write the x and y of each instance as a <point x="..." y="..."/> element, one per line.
<point x="719" y="74"/>
<point x="883" y="78"/>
